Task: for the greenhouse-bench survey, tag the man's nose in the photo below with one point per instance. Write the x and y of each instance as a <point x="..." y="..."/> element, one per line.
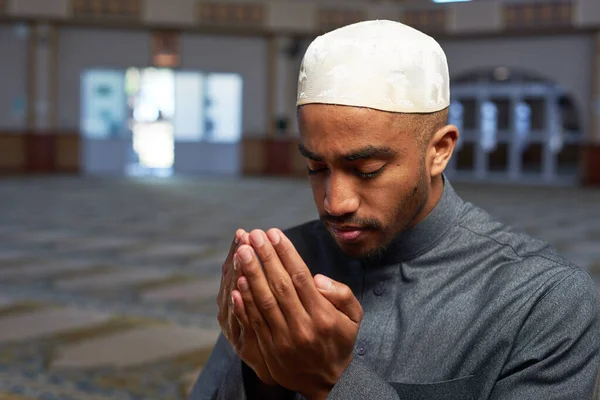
<point x="340" y="196"/>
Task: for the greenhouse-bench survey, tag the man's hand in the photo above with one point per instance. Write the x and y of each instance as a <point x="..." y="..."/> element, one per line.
<point x="243" y="340"/>
<point x="306" y="328"/>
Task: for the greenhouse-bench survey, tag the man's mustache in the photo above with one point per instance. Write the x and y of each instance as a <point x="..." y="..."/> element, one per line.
<point x="363" y="223"/>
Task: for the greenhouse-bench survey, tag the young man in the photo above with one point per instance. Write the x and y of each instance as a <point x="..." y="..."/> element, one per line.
<point x="401" y="290"/>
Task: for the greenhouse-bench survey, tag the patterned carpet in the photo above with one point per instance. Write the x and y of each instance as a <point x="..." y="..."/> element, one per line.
<point x="107" y="287"/>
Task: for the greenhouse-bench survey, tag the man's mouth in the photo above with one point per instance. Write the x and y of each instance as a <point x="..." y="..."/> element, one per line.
<point x="347" y="233"/>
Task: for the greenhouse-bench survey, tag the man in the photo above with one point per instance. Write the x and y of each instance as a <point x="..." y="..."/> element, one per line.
<point x="401" y="290"/>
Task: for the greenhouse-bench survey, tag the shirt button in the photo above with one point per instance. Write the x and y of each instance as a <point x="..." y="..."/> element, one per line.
<point x="379" y="289"/>
<point x="360" y="350"/>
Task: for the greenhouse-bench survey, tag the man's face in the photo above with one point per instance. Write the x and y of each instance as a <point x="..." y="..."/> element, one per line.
<point x="367" y="172"/>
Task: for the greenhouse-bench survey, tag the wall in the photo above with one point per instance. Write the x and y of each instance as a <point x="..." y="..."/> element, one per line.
<point x="246" y="56"/>
<point x="78" y="50"/>
<point x="207" y="158"/>
<point x="81" y="49"/>
<point x="564" y="59"/>
<point x="13" y="70"/>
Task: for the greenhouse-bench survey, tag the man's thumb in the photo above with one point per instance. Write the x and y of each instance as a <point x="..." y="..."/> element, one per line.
<point x="340" y="296"/>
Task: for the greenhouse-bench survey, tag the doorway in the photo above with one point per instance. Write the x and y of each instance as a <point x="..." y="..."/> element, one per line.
<point x="149" y="117"/>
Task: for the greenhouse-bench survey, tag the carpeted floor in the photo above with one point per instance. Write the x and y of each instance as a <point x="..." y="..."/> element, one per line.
<point x="107" y="287"/>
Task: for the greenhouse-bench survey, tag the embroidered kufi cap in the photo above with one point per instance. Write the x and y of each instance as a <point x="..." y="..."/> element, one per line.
<point x="383" y="65"/>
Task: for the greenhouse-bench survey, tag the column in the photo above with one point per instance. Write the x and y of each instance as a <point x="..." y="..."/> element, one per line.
<point x="272" y="83"/>
<point x="552" y="138"/>
<point x="515" y="146"/>
<point x="277" y="145"/>
<point x="43" y="64"/>
<point x="591" y="145"/>
<point x="288" y="60"/>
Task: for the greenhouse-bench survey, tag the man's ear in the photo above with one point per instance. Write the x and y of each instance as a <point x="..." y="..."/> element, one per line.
<point x="441" y="148"/>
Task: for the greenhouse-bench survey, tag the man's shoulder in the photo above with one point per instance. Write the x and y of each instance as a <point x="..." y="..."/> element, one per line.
<point x="518" y="256"/>
<point x="483" y="229"/>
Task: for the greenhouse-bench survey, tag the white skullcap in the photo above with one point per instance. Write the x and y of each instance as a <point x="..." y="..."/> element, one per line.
<point x="383" y="65"/>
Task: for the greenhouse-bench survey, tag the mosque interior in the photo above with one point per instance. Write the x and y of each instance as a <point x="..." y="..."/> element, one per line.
<point x="136" y="136"/>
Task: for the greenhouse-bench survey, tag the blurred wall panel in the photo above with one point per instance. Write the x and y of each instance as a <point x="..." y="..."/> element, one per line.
<point x="296" y="17"/>
<point x="12" y="153"/>
<point x="254" y="156"/>
<point x="42" y="8"/>
<point x="177" y="12"/>
<point x="566" y="60"/>
<point x="383" y="10"/>
<point x="13" y="96"/>
<point x="68" y="152"/>
<point x="197" y="158"/>
<point x="82" y="49"/>
<point x="587" y="13"/>
<point x="485" y="16"/>
<point x="246" y="56"/>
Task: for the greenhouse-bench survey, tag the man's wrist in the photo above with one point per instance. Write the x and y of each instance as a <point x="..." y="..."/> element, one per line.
<point x="257" y="389"/>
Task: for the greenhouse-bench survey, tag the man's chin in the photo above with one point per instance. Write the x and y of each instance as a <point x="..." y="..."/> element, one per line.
<point x="361" y="252"/>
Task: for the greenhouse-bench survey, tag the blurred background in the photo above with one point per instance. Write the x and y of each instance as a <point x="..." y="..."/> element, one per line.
<point x="136" y="136"/>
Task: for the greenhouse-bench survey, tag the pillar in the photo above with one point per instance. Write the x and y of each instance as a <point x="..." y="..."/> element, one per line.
<point x="43" y="64"/>
<point x="591" y="145"/>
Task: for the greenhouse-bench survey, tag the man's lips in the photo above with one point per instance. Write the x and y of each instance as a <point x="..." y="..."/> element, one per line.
<point x="346" y="232"/>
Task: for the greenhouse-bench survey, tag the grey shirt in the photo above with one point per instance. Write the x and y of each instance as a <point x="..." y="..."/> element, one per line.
<point x="460" y="307"/>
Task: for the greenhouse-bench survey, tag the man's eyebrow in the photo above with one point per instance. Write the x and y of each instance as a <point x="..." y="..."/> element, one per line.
<point x="308" y="154"/>
<point x="370" y="152"/>
<point x="360" y="154"/>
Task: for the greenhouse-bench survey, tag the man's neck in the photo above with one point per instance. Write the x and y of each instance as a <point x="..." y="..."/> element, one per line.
<point x="436" y="189"/>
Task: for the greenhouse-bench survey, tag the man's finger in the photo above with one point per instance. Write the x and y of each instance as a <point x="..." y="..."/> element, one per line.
<point x="296" y="268"/>
<point x="258" y="294"/>
<point x="340" y="296"/>
<point x="255" y="319"/>
<point x="239" y="234"/>
<point x="227" y="265"/>
<point x="239" y="310"/>
<point x="279" y="280"/>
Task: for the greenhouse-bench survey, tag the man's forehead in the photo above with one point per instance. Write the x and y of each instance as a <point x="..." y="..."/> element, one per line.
<point x="354" y="125"/>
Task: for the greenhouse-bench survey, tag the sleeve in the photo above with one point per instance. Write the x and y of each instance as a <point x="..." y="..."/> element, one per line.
<point x="556" y="354"/>
<point x="360" y="382"/>
<point x="226" y="377"/>
<point x="214" y="372"/>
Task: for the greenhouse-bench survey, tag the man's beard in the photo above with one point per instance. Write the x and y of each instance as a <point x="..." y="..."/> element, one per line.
<point x="410" y="207"/>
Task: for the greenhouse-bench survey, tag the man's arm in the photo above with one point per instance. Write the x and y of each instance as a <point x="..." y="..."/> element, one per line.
<point x="556" y="355"/>
<point x="214" y="373"/>
<point x="360" y="382"/>
<point x="226" y="377"/>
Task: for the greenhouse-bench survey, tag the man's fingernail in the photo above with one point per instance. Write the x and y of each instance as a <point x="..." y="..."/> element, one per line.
<point x="236" y="263"/>
<point x="323" y="282"/>
<point x="274" y="237"/>
<point x="232" y="300"/>
<point x="245" y="255"/>
<point x="257" y="239"/>
<point x="238" y="235"/>
<point x="243" y="284"/>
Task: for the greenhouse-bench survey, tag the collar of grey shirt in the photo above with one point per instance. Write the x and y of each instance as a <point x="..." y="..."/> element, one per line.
<point x="426" y="234"/>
